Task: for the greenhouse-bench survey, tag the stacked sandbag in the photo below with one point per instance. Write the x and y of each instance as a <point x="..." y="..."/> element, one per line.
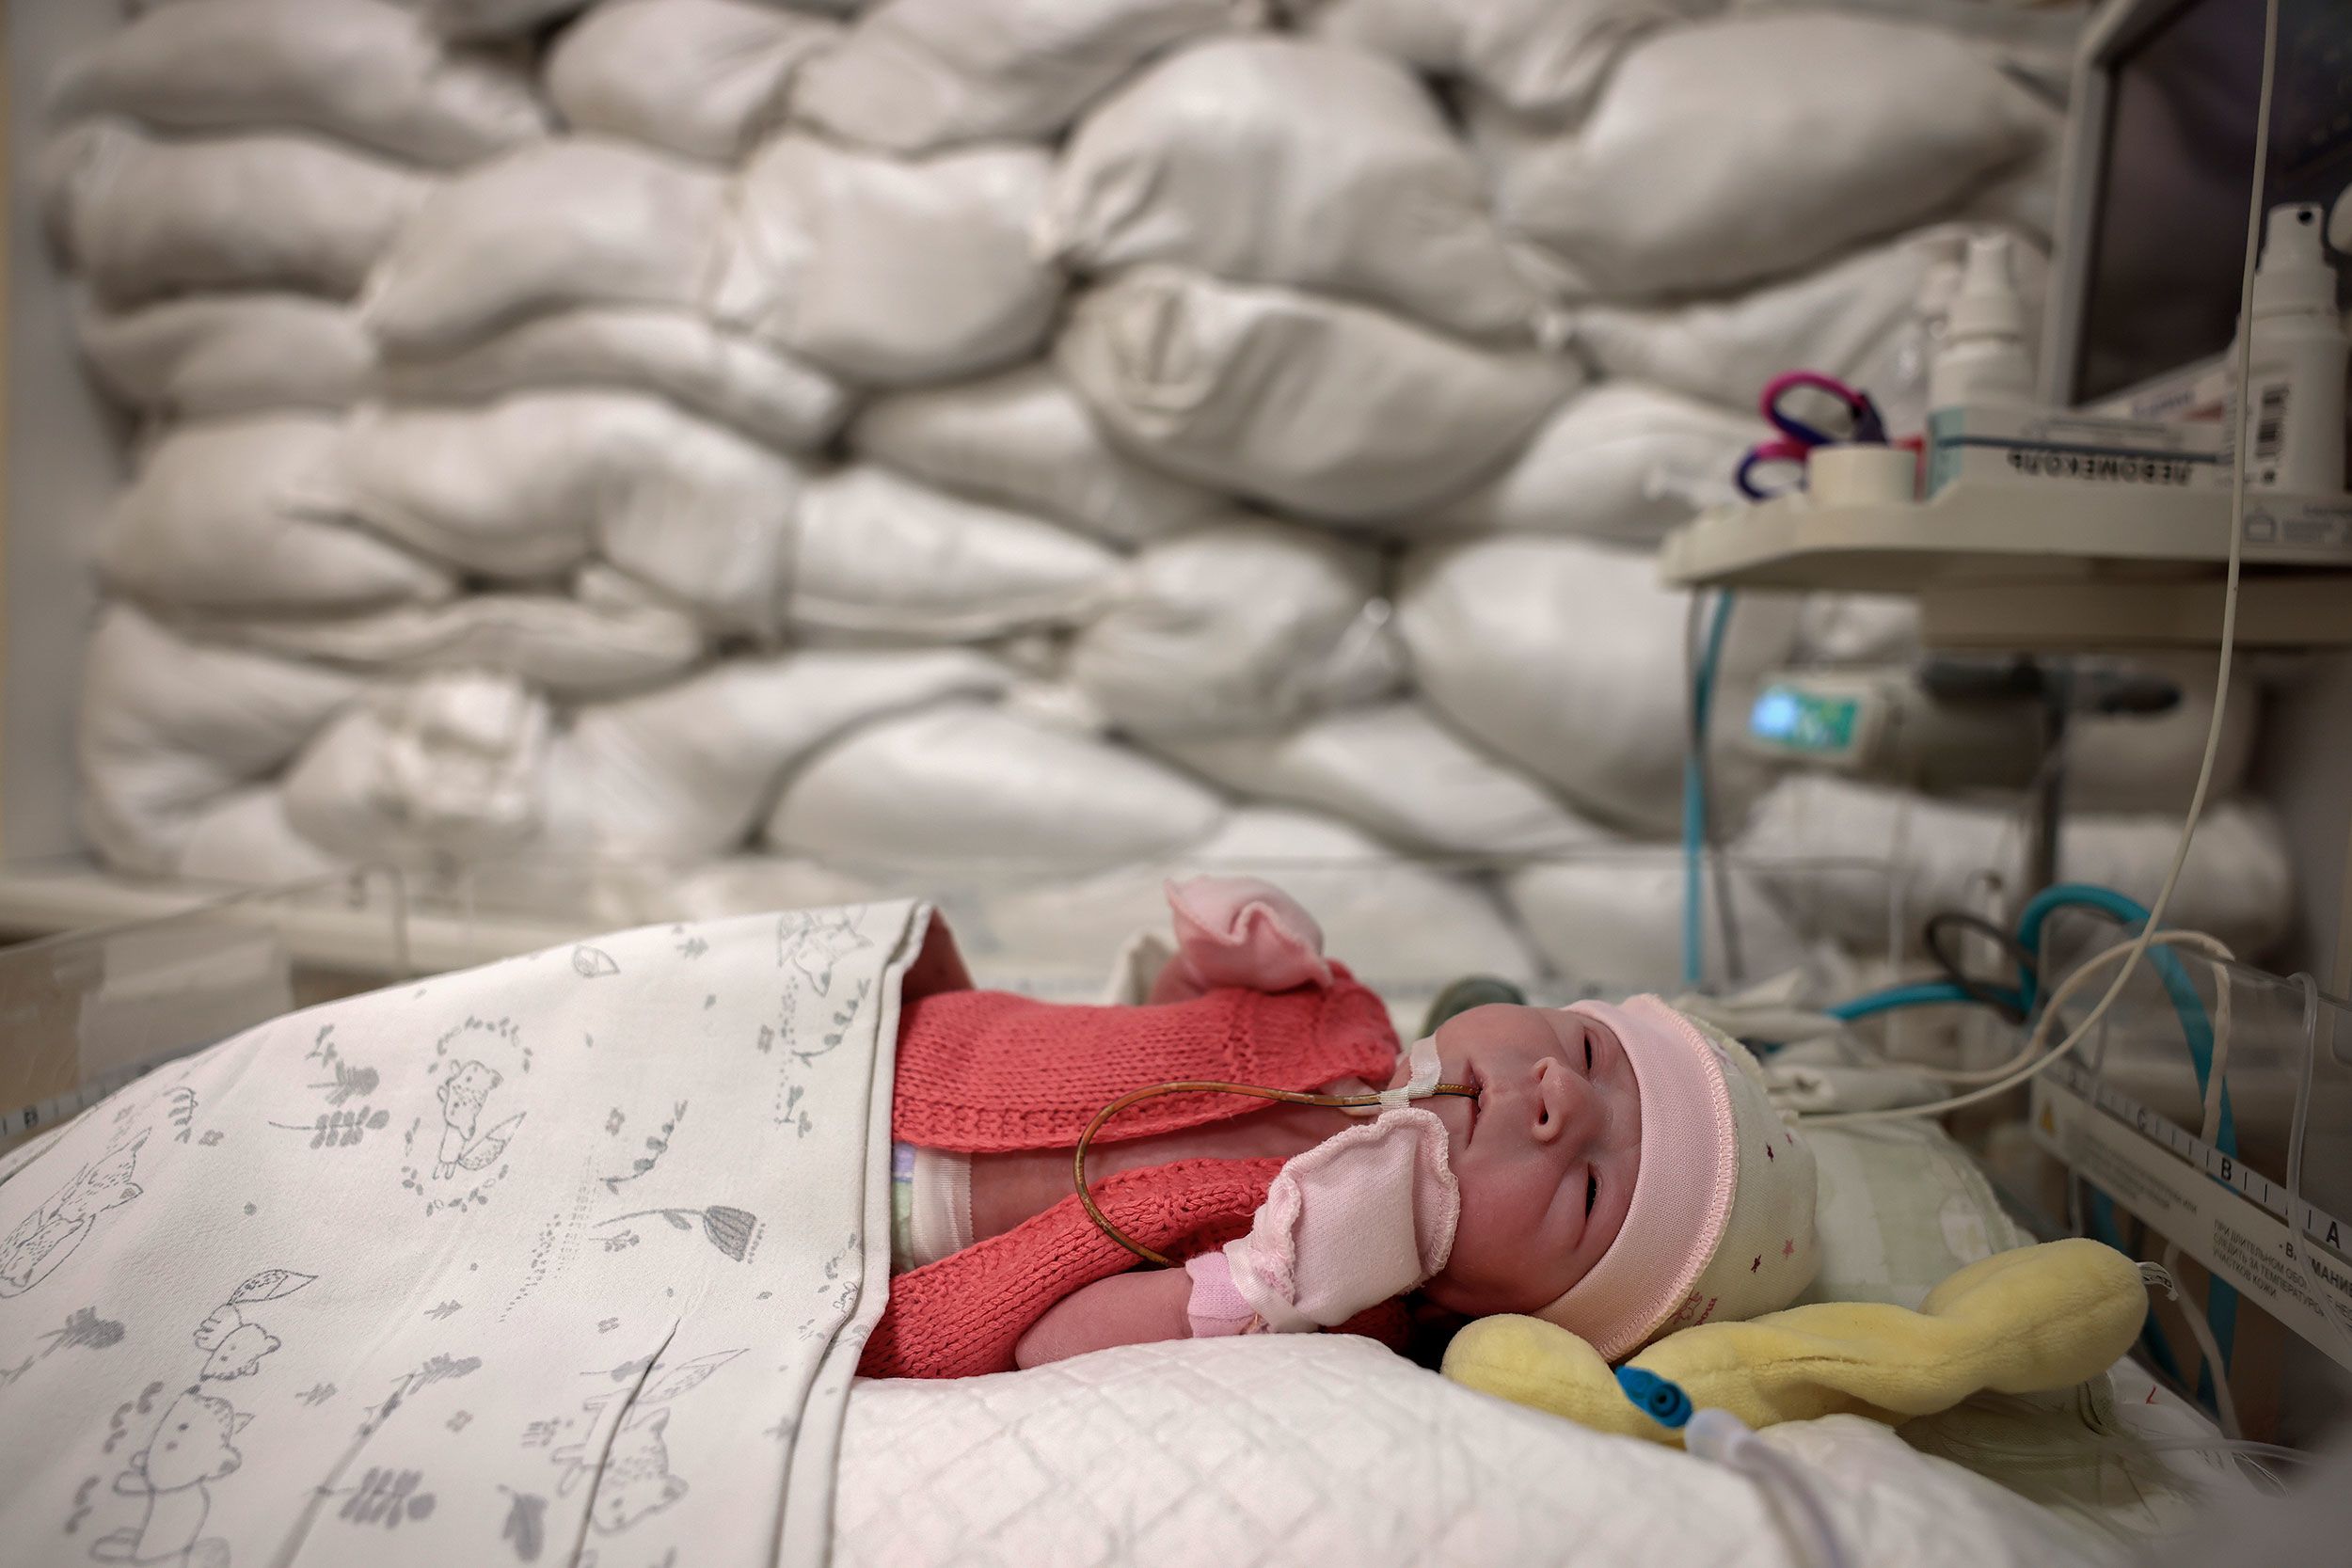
<point x="892" y="271"/>
<point x="1240" y="626"/>
<point x="143" y="219"/>
<point x="669" y="777"/>
<point x="882" y="270"/>
<point x="1398" y="770"/>
<point x="876" y="556"/>
<point x="961" y="790"/>
<point x="451" y="765"/>
<point x="1851" y="860"/>
<point x="1540" y="57"/>
<point x="1869" y="318"/>
<point x="1613" y="916"/>
<point x="2035" y="41"/>
<point x="1205" y="162"/>
<point x="1569" y="658"/>
<point x="504" y="20"/>
<point x="235" y="515"/>
<point x="773" y="397"/>
<point x="731" y="453"/>
<point x="572" y="222"/>
<point x="704" y="78"/>
<point x="172" y="731"/>
<point x="607" y="636"/>
<point x="1311" y="403"/>
<point x="202" y="356"/>
<point x="916" y="75"/>
<point x="1621" y="461"/>
<point x="1401" y="925"/>
<point x="226" y="174"/>
<point x="1697" y="167"/>
<point x="1022" y="439"/>
<point x="361" y="72"/>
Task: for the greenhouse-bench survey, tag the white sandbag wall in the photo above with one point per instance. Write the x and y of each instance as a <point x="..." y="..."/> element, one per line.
<point x="680" y="454"/>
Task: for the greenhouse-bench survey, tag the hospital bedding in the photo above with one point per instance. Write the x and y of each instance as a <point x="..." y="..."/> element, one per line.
<point x="510" y="1261"/>
<point x="1287" y="1451"/>
<point x="561" y="1259"/>
<point x="1281" y="1450"/>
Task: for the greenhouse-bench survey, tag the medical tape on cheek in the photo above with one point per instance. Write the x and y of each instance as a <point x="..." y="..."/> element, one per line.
<point x="1418" y="1081"/>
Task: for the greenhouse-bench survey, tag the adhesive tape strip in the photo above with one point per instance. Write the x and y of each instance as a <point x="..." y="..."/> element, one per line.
<point x="1423" y="1078"/>
<point x="1862" y="476"/>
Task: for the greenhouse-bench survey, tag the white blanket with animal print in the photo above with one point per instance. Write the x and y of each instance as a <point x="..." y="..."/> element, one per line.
<point x="563" y="1260"/>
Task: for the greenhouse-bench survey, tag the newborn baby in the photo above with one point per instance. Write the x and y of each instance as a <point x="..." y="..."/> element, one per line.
<point x="1619" y="1170"/>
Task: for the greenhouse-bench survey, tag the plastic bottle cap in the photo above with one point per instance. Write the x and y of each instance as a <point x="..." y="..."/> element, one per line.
<point x="2295" y="276"/>
<point x="1987" y="305"/>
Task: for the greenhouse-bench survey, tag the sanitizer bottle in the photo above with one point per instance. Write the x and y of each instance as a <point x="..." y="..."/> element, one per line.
<point x="2295" y="389"/>
<point x="1983" y="359"/>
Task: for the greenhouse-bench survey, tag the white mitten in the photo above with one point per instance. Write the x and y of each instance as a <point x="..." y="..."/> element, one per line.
<point x="1359" y="1219"/>
<point x="1239" y="931"/>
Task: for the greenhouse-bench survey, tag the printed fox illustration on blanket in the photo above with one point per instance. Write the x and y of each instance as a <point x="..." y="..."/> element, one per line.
<point x="462" y="1095"/>
<point x="624" y="1453"/>
<point x="46" y="1237"/>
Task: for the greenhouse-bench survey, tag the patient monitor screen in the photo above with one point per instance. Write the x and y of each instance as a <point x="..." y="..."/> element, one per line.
<point x="2168" y="235"/>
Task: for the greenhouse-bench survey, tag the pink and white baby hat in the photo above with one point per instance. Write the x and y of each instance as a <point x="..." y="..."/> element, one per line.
<point x="1722" y="1224"/>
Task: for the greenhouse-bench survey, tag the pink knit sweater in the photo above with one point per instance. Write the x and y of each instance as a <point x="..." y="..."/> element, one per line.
<point x="990" y="1072"/>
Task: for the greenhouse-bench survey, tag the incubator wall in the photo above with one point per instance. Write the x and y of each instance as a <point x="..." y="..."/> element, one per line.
<point x="83" y="1012"/>
<point x="2283" y="1050"/>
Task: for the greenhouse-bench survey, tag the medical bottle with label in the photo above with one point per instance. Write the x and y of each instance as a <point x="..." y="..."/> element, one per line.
<point x="1983" y="359"/>
<point x="2295" y="391"/>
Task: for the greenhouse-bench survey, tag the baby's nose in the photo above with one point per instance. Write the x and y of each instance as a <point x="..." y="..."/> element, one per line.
<point x="1565" y="1105"/>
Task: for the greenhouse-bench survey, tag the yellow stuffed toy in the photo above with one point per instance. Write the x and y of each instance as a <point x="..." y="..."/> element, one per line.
<point x="2022" y="1321"/>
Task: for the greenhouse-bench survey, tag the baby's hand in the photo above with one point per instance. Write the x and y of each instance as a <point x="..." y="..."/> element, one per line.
<point x="1239" y="931"/>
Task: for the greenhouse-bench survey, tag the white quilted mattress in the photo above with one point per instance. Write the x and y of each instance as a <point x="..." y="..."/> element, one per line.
<point x="1328" y="1450"/>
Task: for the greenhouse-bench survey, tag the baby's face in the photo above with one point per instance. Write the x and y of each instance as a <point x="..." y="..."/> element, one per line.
<point x="1545" y="1156"/>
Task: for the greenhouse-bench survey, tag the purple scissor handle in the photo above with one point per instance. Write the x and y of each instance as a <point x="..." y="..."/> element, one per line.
<point x="1797" y="439"/>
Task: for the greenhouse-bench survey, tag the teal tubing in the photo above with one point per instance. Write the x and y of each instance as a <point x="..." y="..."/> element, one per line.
<point x="2196" y="1027"/>
<point x="1928" y="993"/>
<point x="1694" y="793"/>
<point x="2221" y="1299"/>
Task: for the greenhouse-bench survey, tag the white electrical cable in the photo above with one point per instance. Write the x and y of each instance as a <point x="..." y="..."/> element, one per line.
<point x="2217" y="1070"/>
<point x="2089" y="1447"/>
<point x="2302" y="1100"/>
<point x="2196" y="1314"/>
<point x="1724" y="1438"/>
<point x="2193" y="1313"/>
<point x="2241" y="379"/>
<point x="2244" y="375"/>
<point x="2035" y="1065"/>
<point x="2084" y="1450"/>
<point x="2199" y="1314"/>
<point x="2222" y="1018"/>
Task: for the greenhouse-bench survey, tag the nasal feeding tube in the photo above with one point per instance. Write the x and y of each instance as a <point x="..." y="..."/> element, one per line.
<point x="1424" y="1063"/>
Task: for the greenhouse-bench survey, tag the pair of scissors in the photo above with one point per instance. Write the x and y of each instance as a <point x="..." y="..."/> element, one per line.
<point x="1865" y="426"/>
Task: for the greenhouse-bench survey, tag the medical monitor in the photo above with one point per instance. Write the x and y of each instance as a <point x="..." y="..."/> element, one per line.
<point x="2153" y="204"/>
